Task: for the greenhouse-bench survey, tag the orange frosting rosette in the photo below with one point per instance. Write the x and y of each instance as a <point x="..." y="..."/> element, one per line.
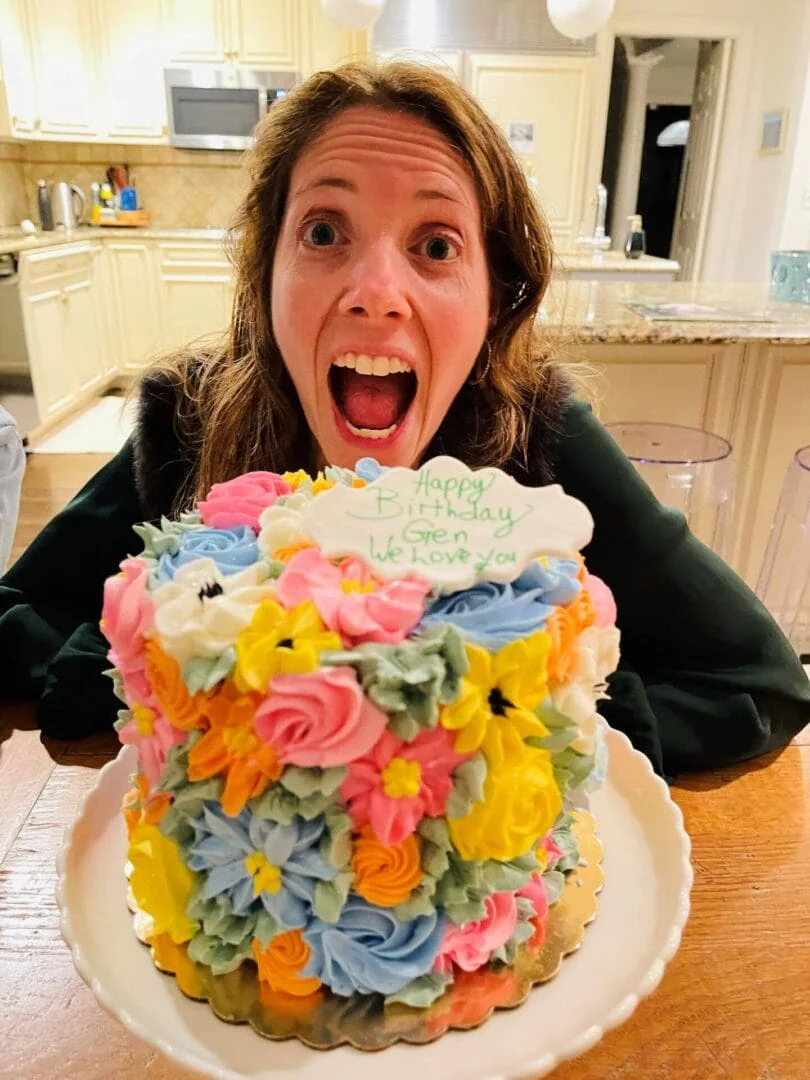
<point x="183" y="710"/>
<point x="385" y="874"/>
<point x="281" y="963"/>
<point x="139" y="806"/>
<point x="564" y="625"/>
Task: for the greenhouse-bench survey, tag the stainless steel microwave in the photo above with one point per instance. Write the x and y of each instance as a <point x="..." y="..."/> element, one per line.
<point x="217" y="108"/>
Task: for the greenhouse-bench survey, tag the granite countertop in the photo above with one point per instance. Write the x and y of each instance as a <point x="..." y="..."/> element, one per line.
<point x="596" y="311"/>
<point x="614" y="260"/>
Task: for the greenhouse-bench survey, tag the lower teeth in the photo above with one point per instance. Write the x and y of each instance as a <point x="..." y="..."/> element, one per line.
<point x="371" y="433"/>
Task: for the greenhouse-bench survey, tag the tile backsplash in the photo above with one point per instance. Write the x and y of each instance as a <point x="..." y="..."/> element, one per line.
<point x="182" y="189"/>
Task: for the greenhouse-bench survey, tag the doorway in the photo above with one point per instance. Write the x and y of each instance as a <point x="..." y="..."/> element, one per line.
<point x="664" y="124"/>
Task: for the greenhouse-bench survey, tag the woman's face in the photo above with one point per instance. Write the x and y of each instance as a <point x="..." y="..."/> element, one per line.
<point x="380" y="297"/>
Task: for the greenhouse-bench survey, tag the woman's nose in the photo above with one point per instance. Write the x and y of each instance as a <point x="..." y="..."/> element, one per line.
<point x="376" y="288"/>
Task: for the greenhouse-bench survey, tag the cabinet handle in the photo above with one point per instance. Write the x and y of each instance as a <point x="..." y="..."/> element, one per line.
<point x="63" y="296"/>
<point x="37" y="124"/>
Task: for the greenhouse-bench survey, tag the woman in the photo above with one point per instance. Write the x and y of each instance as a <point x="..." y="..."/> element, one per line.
<point x="390" y="263"/>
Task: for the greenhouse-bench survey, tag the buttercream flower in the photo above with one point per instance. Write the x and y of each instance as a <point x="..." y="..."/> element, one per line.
<point x="500" y="693"/>
<point x="369" y="469"/>
<point x="231" y="549"/>
<point x="142" y="805"/>
<point x="564" y="627"/>
<point x="258" y="863"/>
<point x="281" y="963"/>
<point x="202" y="611"/>
<point x="594" y="656"/>
<point x="241" y="501"/>
<point x="161" y="882"/>
<point x="351" y="600"/>
<point x="521" y="801"/>
<point x="535" y="891"/>
<point x="281" y="526"/>
<point x="492" y="613"/>
<point x="602" y="600"/>
<point x="385" y="874"/>
<point x="232" y="747"/>
<point x="399" y="783"/>
<point x="369" y="950"/>
<point x="280" y="642"/>
<point x="153" y="735"/>
<point x="319" y="720"/>
<point x="127" y="617"/>
<point x="185" y="711"/>
<point x="470" y="946"/>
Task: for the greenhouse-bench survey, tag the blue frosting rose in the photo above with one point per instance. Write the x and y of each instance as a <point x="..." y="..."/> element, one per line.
<point x="231" y="549"/>
<point x="368" y="469"/>
<point x="370" y="950"/>
<point x="491" y="614"/>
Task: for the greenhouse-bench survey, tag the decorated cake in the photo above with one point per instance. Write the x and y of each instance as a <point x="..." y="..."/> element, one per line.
<point x="364" y="707"/>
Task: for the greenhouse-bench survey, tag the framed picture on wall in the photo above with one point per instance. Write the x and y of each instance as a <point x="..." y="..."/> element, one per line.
<point x="772" y="138"/>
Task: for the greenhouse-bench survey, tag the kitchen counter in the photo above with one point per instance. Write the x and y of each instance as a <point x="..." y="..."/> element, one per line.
<point x="581" y="262"/>
<point x="13" y="240"/>
<point x="596" y="312"/>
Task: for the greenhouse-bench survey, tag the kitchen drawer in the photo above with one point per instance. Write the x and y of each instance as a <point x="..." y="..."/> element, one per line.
<point x="56" y="262"/>
<point x="204" y="255"/>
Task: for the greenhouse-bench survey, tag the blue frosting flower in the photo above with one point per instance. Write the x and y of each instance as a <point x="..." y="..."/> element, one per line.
<point x="370" y="950"/>
<point x="254" y="862"/>
<point x="368" y="469"/>
<point x="231" y="549"/>
<point x="491" y="614"/>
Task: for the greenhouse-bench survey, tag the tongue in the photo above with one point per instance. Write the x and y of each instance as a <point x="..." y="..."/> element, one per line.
<point x="372" y="401"/>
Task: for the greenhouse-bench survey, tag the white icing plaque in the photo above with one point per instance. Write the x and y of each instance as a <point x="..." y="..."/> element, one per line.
<point x="448" y="524"/>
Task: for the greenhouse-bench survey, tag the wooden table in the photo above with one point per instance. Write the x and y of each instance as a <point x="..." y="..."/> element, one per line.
<point x="734" y="1002"/>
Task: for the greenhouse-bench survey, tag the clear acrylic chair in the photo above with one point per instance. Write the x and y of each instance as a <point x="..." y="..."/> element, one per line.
<point x="784" y="580"/>
<point x="12" y="467"/>
<point x="689" y="469"/>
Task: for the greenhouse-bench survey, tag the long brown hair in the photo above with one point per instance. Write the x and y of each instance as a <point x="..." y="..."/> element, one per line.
<point x="238" y="408"/>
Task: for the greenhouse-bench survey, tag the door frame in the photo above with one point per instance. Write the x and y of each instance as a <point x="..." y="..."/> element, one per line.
<point x="719" y="229"/>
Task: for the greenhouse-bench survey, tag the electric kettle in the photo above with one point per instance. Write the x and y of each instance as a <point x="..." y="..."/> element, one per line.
<point x="64" y="199"/>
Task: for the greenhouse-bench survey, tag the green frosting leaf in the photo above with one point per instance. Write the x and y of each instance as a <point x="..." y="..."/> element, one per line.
<point x="420" y="902"/>
<point x="468" y="787"/>
<point x="165" y="538"/>
<point x="330" y="896"/>
<point x="337" y="472"/>
<point x="524" y="931"/>
<point x="266" y="927"/>
<point x="462" y="889"/>
<point x="118" y="684"/>
<point x="421" y="992"/>
<point x="306" y="782"/>
<point x="187" y="796"/>
<point x="411" y="680"/>
<point x="563" y="836"/>
<point x="124" y="717"/>
<point x="336" y="842"/>
<point x="203" y="673"/>
<point x="217" y="955"/>
<point x="553" y="881"/>
<point x="275" y="568"/>
<point x="571" y="769"/>
<point x="279" y="804"/>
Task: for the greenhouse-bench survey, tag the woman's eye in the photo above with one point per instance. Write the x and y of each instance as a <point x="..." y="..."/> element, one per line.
<point x="439" y="249"/>
<point x="320" y="234"/>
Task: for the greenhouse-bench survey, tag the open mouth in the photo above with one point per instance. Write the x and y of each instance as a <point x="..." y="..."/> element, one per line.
<point x="372" y="393"/>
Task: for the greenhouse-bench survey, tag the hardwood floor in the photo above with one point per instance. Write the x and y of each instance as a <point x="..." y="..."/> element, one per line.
<point x="50" y="482"/>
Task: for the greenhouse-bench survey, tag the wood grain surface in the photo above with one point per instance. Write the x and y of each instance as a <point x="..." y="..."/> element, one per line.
<point x="734" y="1002"/>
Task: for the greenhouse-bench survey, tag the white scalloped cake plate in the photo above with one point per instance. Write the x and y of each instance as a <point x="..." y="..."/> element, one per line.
<point x="642" y="911"/>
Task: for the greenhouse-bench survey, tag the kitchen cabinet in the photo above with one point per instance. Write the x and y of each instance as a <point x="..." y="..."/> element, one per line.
<point x="18" y="102"/>
<point x="196" y="31"/>
<point x="133" y="97"/>
<point x="196" y="290"/>
<point x="59" y="291"/>
<point x="253" y="33"/>
<point x="136" y="332"/>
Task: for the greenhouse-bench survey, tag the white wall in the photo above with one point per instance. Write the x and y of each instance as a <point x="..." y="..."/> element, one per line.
<point x="673" y="79"/>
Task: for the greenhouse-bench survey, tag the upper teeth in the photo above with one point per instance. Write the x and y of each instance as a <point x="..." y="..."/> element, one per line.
<point x="364" y="364"/>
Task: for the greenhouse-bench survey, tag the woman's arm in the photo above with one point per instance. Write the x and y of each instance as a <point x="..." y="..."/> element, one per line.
<point x="50" y="605"/>
<point x="706" y="677"/>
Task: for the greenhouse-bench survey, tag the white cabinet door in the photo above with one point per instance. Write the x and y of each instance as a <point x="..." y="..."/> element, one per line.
<point x="82" y="334"/>
<point x="65" y="68"/>
<point x="51" y="373"/>
<point x="196" y="31"/>
<point x="17" y="70"/>
<point x="552" y="97"/>
<point x="137" y="329"/>
<point x="196" y="288"/>
<point x="132" y="61"/>
<point x="265" y="33"/>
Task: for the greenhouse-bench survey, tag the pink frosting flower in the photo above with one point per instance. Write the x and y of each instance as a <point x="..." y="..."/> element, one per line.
<point x="535" y="891"/>
<point x="471" y="945"/>
<point x="399" y="783"/>
<point x="322" y="719"/>
<point x="127" y="616"/>
<point x="241" y="501"/>
<point x="603" y="601"/>
<point x="351" y="601"/>
<point x="154" y="736"/>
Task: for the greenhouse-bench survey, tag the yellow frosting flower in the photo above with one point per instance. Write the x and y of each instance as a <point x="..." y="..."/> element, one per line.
<point x="295" y="478"/>
<point x="161" y="882"/>
<point x="500" y="692"/>
<point x="280" y="642"/>
<point x="521" y="802"/>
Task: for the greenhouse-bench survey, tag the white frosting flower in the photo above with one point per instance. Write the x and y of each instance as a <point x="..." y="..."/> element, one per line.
<point x="595" y="656"/>
<point x="281" y="526"/>
<point x="585" y="742"/>
<point x="202" y="611"/>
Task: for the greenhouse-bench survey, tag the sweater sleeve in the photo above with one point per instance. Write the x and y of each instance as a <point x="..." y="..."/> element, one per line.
<point x="706" y="676"/>
<point x="50" y="605"/>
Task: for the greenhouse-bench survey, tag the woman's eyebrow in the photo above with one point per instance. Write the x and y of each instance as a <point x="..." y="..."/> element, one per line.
<point x="424" y="194"/>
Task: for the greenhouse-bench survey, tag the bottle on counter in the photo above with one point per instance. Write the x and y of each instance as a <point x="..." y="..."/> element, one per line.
<point x="95" y="203"/>
<point x="636" y="243"/>
<point x="44" y="206"/>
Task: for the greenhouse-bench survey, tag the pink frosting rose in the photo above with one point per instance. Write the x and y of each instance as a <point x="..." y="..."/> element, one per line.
<point x="322" y="719"/>
<point x="603" y="601"/>
<point x="471" y="945"/>
<point x="241" y="501"/>
<point x="351" y="600"/>
<point x="127" y="616"/>
<point x="153" y="739"/>
<point x="398" y="783"/>
<point x="535" y="891"/>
